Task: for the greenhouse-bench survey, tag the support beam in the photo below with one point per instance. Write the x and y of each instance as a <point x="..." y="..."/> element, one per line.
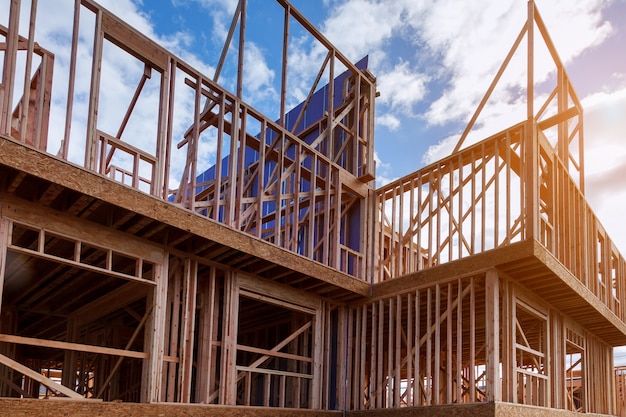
<point x="156" y="333"/>
<point x="4" y="242"/>
<point x="54" y="344"/>
<point x="492" y="323"/>
<point x="190" y="285"/>
<point x="5" y="360"/>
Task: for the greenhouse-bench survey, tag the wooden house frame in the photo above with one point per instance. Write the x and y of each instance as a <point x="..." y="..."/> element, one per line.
<point x="276" y="278"/>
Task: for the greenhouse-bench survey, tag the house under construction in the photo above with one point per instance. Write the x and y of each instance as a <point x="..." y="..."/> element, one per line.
<point x="140" y="277"/>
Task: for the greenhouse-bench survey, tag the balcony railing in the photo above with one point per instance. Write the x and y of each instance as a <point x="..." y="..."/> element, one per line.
<point x="465" y="204"/>
<point x="486" y="197"/>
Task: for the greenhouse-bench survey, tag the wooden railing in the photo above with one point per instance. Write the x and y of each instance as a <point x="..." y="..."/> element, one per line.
<point x="484" y="197"/>
<point x="301" y="184"/>
<point x="26" y="118"/>
<point x="570" y="230"/>
<point x="142" y="165"/>
<point x="465" y="204"/>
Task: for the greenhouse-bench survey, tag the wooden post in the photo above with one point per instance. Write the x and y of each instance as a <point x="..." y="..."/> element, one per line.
<point x="531" y="149"/>
<point x="157" y="332"/>
<point x="530" y="81"/>
<point x="8" y="74"/>
<point x="228" y="384"/>
<point x="508" y="350"/>
<point x="27" y="80"/>
<point x="242" y="37"/>
<point x="232" y="210"/>
<point x="65" y="145"/>
<point x="158" y="185"/>
<point x="373" y="356"/>
<point x="172" y="324"/>
<point x="429" y="348"/>
<point x="417" y="375"/>
<point x="91" y="144"/>
<point x="459" y="342"/>
<point x="209" y="328"/>
<point x="190" y="277"/>
<point x="70" y="357"/>
<point x="316" y="386"/>
<point x="283" y="83"/>
<point x="531" y="180"/>
<point x="556" y="361"/>
<point x="436" y="370"/>
<point x="492" y="318"/>
<point x="5" y="233"/>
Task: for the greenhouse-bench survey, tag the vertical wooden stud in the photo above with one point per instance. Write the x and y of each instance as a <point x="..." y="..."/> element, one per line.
<point x="492" y="317"/>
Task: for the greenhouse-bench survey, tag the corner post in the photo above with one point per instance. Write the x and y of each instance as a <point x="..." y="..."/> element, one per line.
<point x="492" y="326"/>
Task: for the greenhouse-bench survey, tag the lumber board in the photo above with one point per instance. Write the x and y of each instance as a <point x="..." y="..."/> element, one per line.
<point x="5" y="360"/>
<point x="6" y="338"/>
<point x="75" y="408"/>
<point x="4" y="240"/>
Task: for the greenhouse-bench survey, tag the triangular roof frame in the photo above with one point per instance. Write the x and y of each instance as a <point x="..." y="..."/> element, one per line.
<point x="561" y="111"/>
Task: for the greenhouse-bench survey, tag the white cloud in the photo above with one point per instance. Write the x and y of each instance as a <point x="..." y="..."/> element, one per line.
<point x="258" y="77"/>
<point x="605" y="156"/>
<point x="474" y="41"/>
<point x="402" y="87"/>
<point x="368" y="23"/>
<point x="496" y="118"/>
<point x="389" y="121"/>
<point x="228" y="5"/>
<point x="440" y="150"/>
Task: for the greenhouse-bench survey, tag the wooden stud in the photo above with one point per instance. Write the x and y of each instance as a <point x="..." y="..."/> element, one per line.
<point x="492" y="316"/>
<point x="5" y="234"/>
<point x="157" y="333"/>
<point x="10" y="62"/>
<point x="229" y="341"/>
<point x="94" y="92"/>
<point x="190" y="277"/>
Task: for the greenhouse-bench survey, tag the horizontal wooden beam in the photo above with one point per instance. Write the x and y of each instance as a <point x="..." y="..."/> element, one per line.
<point x="54" y="344"/>
<point x="559" y="118"/>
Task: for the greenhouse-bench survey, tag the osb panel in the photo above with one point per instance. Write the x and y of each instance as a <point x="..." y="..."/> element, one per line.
<point x="463" y="410"/>
<point x="68" y="408"/>
<point x="514" y="410"/>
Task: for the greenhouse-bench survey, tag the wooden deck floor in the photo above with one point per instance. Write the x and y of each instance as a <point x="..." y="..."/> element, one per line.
<point x="530" y="264"/>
